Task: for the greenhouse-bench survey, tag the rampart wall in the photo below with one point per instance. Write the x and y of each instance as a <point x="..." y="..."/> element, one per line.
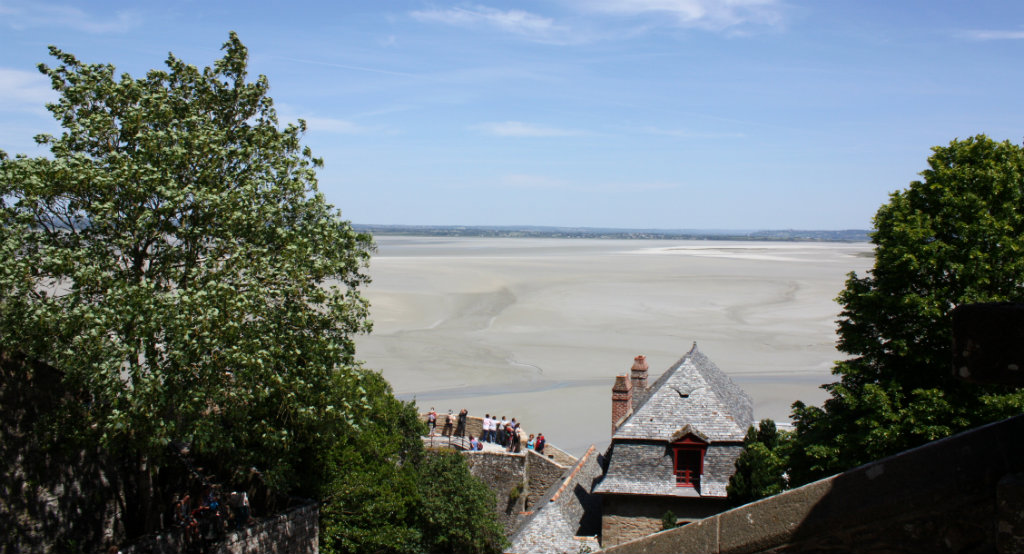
<point x="964" y="493"/>
<point x="542" y="472"/>
<point x="503" y="473"/>
<point x="295" y="531"/>
<point x="42" y="483"/>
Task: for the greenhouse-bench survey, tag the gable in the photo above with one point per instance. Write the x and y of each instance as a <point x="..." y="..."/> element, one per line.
<point x="691" y="397"/>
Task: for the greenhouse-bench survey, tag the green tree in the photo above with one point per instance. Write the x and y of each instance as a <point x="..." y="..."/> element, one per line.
<point x="174" y="259"/>
<point x="955" y="237"/>
<point x="415" y="501"/>
<point x="457" y="510"/>
<point x="761" y="468"/>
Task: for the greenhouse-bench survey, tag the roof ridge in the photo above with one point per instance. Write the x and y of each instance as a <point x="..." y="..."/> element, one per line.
<point x="716" y="405"/>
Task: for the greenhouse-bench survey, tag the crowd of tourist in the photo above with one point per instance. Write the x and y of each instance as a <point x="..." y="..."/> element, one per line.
<point x="503" y="432"/>
<point x="211" y="515"/>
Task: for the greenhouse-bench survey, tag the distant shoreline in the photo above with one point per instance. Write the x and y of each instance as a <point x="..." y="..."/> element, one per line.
<point x="511" y="231"/>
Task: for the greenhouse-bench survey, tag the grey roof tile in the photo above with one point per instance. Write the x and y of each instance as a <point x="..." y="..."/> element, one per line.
<point x="692" y="392"/>
<point x="692" y="396"/>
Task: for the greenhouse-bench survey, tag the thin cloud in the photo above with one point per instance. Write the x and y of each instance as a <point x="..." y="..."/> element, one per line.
<point x="991" y="34"/>
<point x="24" y="91"/>
<point x="513" y="21"/>
<point x="38" y="14"/>
<point x="713" y="15"/>
<point x="318" y="124"/>
<point x="334" y="125"/>
<point x="520" y="129"/>
<point x="517" y="22"/>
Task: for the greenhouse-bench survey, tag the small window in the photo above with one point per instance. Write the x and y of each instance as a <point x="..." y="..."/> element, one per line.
<point x="688" y="460"/>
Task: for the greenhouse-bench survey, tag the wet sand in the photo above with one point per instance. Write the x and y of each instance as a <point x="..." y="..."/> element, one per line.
<point x="538" y="328"/>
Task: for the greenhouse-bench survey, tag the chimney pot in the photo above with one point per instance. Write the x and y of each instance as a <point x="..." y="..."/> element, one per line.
<point x="638" y="373"/>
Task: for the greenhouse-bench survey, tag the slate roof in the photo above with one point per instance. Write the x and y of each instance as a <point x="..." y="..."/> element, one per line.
<point x="694" y="393"/>
<point x="646" y="468"/>
<point x="691" y="397"/>
<point x="568" y="508"/>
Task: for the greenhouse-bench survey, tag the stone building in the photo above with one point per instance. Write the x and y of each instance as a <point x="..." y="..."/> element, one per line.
<point x="674" y="446"/>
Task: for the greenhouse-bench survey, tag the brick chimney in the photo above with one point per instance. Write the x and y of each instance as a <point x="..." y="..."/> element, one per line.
<point x="622" y="400"/>
<point x="639" y="373"/>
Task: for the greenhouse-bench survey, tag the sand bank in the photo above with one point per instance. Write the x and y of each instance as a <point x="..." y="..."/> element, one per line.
<point x="538" y="328"/>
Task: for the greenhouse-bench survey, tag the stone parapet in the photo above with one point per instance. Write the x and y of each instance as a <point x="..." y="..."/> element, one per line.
<point x="296" y="531"/>
<point x="542" y="472"/>
<point x="957" y="494"/>
<point x="503" y="473"/>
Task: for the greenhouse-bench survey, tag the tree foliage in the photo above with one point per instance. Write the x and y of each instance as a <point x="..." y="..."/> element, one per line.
<point x="761" y="468"/>
<point x="955" y="237"/>
<point x="383" y="493"/>
<point x="173" y="257"/>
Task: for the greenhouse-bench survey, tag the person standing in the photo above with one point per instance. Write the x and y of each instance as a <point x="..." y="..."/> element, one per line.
<point x="486" y="428"/>
<point x="449" y="424"/>
<point x="460" y="430"/>
<point x="540" y="443"/>
<point x="432" y="420"/>
<point x="501" y="430"/>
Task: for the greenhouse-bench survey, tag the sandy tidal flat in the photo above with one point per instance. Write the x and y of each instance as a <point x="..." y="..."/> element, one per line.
<point x="537" y="329"/>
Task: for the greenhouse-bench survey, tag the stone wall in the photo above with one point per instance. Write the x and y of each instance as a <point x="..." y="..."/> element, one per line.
<point x="542" y="473"/>
<point x="43" y="483"/>
<point x="559" y="456"/>
<point x="567" y="514"/>
<point x="502" y="472"/>
<point x="575" y="498"/>
<point x="295" y="531"/>
<point x="474" y="425"/>
<point x="628" y="517"/>
<point x="964" y="493"/>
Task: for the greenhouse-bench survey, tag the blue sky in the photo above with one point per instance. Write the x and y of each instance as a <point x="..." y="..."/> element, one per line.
<point x="732" y="114"/>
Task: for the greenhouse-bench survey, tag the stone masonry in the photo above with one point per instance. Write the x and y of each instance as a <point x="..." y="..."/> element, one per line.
<point x="296" y="531"/>
<point x="963" y="493"/>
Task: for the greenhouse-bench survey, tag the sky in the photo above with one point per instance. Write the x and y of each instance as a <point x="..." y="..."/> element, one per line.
<point x="669" y="114"/>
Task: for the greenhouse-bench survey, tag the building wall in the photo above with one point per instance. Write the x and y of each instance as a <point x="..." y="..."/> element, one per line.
<point x="628" y="517"/>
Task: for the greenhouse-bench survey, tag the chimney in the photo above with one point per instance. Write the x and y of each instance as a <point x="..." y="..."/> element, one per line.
<point x="622" y="400"/>
<point x="639" y="373"/>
